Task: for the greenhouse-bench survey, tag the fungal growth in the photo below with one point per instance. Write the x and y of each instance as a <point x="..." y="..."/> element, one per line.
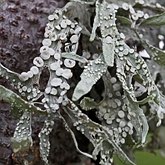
<point x="99" y="54"/>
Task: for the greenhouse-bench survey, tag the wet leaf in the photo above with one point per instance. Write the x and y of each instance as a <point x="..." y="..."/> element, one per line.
<point x="157" y="20"/>
<point x="96" y="133"/>
<point x="108" y="52"/>
<point x="107" y="32"/>
<point x="156" y="54"/>
<point x="139" y="121"/>
<point x="22" y="139"/>
<point x="6" y="73"/>
<point x="124" y="20"/>
<point x="158" y="105"/>
<point x="96" y="21"/>
<point x="15" y="80"/>
<point x="44" y="138"/>
<point x="108" y="44"/>
<point x="17" y="102"/>
<point x="88" y="103"/>
<point x="74" y="139"/>
<point x="91" y="74"/>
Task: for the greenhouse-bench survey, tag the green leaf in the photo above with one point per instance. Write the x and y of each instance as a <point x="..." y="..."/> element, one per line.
<point x="156" y="54"/>
<point x="22" y="139"/>
<point x="144" y="158"/>
<point x="17" y="102"/>
<point x="10" y="75"/>
<point x="88" y="103"/>
<point x="156" y="20"/>
<point x="17" y="83"/>
<point x="124" y="20"/>
<point x="91" y="74"/>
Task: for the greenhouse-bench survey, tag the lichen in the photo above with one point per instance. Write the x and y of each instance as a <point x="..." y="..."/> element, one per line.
<point x="105" y="57"/>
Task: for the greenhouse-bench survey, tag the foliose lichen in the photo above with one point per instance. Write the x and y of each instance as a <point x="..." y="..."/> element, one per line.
<point x="104" y="56"/>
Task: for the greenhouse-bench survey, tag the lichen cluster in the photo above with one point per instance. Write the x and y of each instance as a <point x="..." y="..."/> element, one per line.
<point x="71" y="43"/>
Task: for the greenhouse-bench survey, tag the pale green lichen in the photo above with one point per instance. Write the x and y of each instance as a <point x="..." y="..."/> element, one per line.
<point x="105" y="56"/>
<point x="22" y="139"/>
<point x="91" y="74"/>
